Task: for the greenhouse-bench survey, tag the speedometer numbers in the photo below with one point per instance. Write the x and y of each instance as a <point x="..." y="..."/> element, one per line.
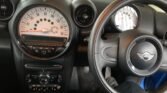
<point x="44" y="21"/>
<point x="126" y="18"/>
<point x="44" y="32"/>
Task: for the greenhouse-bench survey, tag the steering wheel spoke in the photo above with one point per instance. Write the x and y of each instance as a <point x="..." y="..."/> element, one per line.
<point x="164" y="60"/>
<point x="107" y="50"/>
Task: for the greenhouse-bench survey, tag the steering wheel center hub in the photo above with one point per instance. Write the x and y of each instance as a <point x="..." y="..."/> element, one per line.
<point x="143" y="56"/>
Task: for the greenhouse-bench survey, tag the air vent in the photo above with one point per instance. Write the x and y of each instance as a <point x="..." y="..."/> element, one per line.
<point x="6" y="9"/>
<point x="84" y="15"/>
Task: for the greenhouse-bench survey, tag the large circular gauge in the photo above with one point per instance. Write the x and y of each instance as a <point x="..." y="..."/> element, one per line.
<point x="126" y="18"/>
<point x="44" y="31"/>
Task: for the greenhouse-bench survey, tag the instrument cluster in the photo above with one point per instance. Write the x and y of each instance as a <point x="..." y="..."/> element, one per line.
<point x="44" y="31"/>
<point x="126" y="18"/>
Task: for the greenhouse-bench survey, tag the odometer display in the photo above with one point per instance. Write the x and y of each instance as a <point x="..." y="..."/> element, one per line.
<point x="44" y="22"/>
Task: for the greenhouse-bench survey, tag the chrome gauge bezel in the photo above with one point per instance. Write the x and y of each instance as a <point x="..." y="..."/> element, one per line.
<point x="19" y="41"/>
<point x="45" y="7"/>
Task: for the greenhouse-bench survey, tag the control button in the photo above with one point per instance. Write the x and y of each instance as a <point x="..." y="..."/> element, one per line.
<point x="58" y="87"/>
<point x="49" y="51"/>
<point x="60" y="79"/>
<point x="43" y="52"/>
<point x="44" y="78"/>
<point x="34" y="88"/>
<point x="41" y="48"/>
<point x="28" y="78"/>
<point x="36" y="51"/>
<point x="54" y="89"/>
<point x="52" y="49"/>
<point x="53" y="78"/>
<point x="59" y="50"/>
<point x="33" y="48"/>
<point x="30" y="47"/>
<point x="39" y="89"/>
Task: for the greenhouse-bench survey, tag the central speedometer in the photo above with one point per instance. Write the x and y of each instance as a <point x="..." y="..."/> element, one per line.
<point x="44" y="21"/>
<point x="44" y="31"/>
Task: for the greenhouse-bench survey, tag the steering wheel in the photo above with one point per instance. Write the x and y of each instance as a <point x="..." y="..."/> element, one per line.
<point x="137" y="52"/>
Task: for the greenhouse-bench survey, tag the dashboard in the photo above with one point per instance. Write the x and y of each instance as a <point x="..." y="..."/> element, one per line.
<point x="48" y="37"/>
<point x="43" y="31"/>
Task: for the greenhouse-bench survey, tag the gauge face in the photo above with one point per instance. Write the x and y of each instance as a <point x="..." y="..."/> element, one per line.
<point x="44" y="32"/>
<point x="126" y="18"/>
<point x="44" y="22"/>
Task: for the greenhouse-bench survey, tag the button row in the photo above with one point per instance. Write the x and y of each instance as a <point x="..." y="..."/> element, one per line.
<point x="51" y="79"/>
<point x="45" y="88"/>
<point x="46" y="51"/>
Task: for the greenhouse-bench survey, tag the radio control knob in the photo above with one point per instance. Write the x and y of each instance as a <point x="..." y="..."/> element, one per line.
<point x="44" y="78"/>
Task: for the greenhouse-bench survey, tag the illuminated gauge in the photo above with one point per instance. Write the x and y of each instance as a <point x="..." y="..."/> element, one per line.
<point x="126" y="18"/>
<point x="44" y="32"/>
<point x="44" y="22"/>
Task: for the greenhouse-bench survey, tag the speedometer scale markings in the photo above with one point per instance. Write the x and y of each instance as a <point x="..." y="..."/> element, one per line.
<point x="44" y="32"/>
<point x="126" y="18"/>
<point x="44" y="21"/>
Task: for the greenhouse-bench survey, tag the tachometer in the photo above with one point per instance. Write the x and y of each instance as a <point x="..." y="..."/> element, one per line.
<point x="126" y="18"/>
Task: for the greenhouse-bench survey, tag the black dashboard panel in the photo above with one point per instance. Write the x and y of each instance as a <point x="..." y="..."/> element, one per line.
<point x="49" y="75"/>
<point x="8" y="77"/>
<point x="43" y="75"/>
<point x="60" y="68"/>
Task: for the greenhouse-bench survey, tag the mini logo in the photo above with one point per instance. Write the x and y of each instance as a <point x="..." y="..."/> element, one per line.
<point x="146" y="56"/>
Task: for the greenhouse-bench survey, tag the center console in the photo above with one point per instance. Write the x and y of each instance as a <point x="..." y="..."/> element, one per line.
<point x="44" y="79"/>
<point x="43" y="40"/>
<point x="49" y="76"/>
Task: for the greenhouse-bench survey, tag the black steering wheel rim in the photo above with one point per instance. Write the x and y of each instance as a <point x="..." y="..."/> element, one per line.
<point x="97" y="29"/>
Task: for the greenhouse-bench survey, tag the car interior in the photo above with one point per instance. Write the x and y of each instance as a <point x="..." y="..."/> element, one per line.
<point x="83" y="46"/>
